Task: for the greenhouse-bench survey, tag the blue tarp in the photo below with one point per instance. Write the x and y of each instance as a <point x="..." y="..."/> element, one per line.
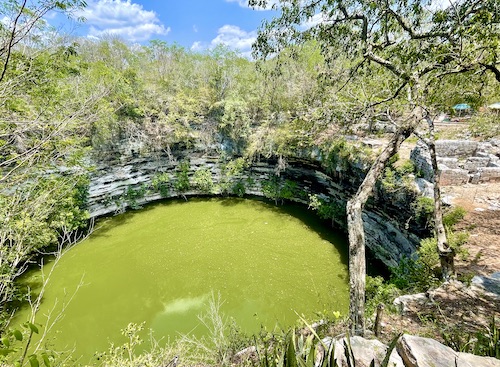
<point x="461" y="106"/>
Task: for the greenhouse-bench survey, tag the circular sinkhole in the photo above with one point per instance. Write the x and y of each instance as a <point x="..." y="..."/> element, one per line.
<point x="162" y="265"/>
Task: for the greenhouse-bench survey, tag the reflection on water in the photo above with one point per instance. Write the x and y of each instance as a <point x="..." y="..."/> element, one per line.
<point x="183" y="305"/>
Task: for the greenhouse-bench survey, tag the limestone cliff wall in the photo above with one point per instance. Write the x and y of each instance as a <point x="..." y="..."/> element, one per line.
<point x="124" y="179"/>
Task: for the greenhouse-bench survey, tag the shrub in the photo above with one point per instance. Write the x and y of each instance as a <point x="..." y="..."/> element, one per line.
<point x="238" y="189"/>
<point x="485" y="125"/>
<point x="182" y="178"/>
<point x="483" y="343"/>
<point x="334" y="211"/>
<point x="278" y="189"/>
<point x="412" y="275"/>
<point x="203" y="180"/>
<point x="407" y="167"/>
<point x="453" y="216"/>
<point x="132" y="195"/>
<point x="230" y="177"/>
<point x="377" y="291"/>
<point x="423" y="209"/>
<point x="160" y="183"/>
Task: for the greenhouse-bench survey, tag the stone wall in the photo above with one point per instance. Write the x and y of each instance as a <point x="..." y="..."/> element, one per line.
<point x="460" y="161"/>
<point x="118" y="177"/>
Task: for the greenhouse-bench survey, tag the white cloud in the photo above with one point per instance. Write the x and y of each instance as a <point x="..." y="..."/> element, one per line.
<point x="314" y="21"/>
<point x="197" y="46"/>
<point x="236" y="38"/>
<point x="244" y="4"/>
<point x="231" y="36"/>
<point x="122" y="18"/>
<point x="440" y="4"/>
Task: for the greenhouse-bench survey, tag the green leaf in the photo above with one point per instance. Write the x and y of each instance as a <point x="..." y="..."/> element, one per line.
<point x="6" y="341"/>
<point x="351" y="362"/>
<point x="32" y="327"/>
<point x="312" y="353"/>
<point x="18" y="335"/>
<point x="4" y="352"/>
<point x="393" y="344"/>
<point x="46" y="360"/>
<point x="34" y="361"/>
<point x="331" y="354"/>
<point x="290" y="356"/>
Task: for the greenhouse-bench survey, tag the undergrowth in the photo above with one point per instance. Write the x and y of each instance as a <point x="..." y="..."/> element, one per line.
<point x="226" y="345"/>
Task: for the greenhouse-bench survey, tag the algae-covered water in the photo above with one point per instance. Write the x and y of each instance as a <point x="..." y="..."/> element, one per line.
<point x="161" y="264"/>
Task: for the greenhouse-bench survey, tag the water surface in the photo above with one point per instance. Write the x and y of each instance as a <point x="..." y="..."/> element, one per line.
<point x="161" y="264"/>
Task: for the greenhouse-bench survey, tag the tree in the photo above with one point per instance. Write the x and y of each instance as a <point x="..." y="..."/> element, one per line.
<point x="39" y="213"/>
<point x="23" y="19"/>
<point x="420" y="44"/>
<point x="29" y="76"/>
<point x="40" y="128"/>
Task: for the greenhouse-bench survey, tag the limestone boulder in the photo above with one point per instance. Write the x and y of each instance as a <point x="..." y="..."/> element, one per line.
<point x="466" y="360"/>
<point x="456" y="148"/>
<point x="489" y="284"/>
<point x="424" y="352"/>
<point x="454" y="177"/>
<point x="489" y="174"/>
<point x="365" y="351"/>
<point x="405" y="303"/>
<point x="424" y="187"/>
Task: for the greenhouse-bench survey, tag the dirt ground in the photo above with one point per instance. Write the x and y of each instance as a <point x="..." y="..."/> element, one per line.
<point x="482" y="221"/>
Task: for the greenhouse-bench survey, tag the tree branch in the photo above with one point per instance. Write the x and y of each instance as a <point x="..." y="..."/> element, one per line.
<point x="493" y="69"/>
<point x="11" y="40"/>
<point x="394" y="96"/>
<point x="387" y="64"/>
<point x="413" y="34"/>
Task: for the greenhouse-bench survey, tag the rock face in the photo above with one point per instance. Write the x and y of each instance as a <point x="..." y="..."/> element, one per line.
<point x="410" y="351"/>
<point x="460" y="161"/>
<point x="424" y="352"/>
<point x="365" y="351"/>
<point x="128" y="178"/>
<point x="490" y="284"/>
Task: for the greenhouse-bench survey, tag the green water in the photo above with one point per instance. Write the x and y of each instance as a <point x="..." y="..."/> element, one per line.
<point x="161" y="264"/>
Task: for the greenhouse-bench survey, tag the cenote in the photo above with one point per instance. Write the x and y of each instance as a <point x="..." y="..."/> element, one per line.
<point x="161" y="264"/>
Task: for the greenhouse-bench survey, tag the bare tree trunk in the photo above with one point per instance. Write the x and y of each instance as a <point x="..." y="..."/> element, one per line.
<point x="357" y="261"/>
<point x="446" y="254"/>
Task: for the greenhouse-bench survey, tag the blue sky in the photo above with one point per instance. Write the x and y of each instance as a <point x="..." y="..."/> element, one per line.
<point x="194" y="24"/>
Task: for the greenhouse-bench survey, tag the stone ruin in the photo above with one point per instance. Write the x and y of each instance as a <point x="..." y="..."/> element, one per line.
<point x="460" y="161"/>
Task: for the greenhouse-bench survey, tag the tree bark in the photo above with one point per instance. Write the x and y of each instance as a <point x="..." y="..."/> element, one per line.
<point x="446" y="254"/>
<point x="357" y="261"/>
